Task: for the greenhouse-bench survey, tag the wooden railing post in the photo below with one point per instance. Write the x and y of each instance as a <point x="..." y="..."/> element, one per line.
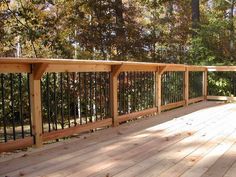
<point x="161" y="70"/>
<point x="35" y="102"/>
<point x="205" y="83"/>
<point x="115" y="71"/>
<point x="186" y="86"/>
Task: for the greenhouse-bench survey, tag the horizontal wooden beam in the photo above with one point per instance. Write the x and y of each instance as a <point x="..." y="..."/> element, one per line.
<point x="75" y="130"/>
<point x="195" y="68"/>
<point x="175" y="68"/>
<point x="134" y="115"/>
<point x="15" y="68"/>
<point x="221" y="68"/>
<point x="133" y="68"/>
<point x="16" y="144"/>
<point x="78" y="68"/>
<point x="194" y="100"/>
<point x="8" y="60"/>
<point x="221" y="98"/>
<point x="172" y="105"/>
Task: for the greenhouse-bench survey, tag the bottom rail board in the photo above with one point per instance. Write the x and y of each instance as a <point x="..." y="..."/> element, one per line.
<point x="194" y="100"/>
<point x="77" y="129"/>
<point x="221" y="98"/>
<point x="16" y="144"/>
<point x="134" y="115"/>
<point x="172" y="105"/>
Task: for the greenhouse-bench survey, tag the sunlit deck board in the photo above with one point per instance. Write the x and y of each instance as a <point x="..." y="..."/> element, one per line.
<point x="198" y="140"/>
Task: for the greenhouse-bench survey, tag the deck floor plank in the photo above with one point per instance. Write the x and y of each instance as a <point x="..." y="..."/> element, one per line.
<point x="198" y="140"/>
<point x="94" y="158"/>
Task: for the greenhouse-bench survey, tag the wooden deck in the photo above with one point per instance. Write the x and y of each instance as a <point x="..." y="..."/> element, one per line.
<point x="199" y="140"/>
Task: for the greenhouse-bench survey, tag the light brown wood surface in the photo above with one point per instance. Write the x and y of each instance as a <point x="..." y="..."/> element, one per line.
<point x="175" y="143"/>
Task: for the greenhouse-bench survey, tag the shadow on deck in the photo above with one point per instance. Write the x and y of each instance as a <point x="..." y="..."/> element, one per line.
<point x="199" y="140"/>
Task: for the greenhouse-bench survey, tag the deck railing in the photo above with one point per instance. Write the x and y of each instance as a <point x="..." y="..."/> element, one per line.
<point x="48" y="99"/>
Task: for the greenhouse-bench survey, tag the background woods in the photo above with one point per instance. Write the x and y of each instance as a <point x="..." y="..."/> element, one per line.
<point x="190" y="31"/>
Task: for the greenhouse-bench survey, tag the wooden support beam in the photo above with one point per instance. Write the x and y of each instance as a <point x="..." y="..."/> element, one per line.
<point x="38" y="70"/>
<point x="36" y="114"/>
<point x="115" y="71"/>
<point x="205" y="84"/>
<point x="186" y="86"/>
<point x="162" y="69"/>
<point x="14" y="68"/>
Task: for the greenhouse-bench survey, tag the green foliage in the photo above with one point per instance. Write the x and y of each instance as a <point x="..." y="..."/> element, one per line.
<point x="221" y="84"/>
<point x="150" y="30"/>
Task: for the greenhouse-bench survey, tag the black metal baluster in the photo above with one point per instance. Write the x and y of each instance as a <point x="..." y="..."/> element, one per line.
<point x="135" y="92"/>
<point x="153" y="89"/>
<point x="146" y="90"/>
<point x="234" y="84"/>
<point x="80" y="100"/>
<point x="163" y="97"/>
<point x="20" y="106"/>
<point x="131" y="92"/>
<point x="139" y="91"/>
<point x="168" y="91"/>
<point x="95" y="96"/>
<point x="62" y="106"/>
<point x="105" y="94"/>
<point x="3" y="108"/>
<point x="119" y="94"/>
<point x="123" y="92"/>
<point x="55" y="99"/>
<point x="12" y="106"/>
<point x="48" y="101"/>
<point x="100" y="95"/>
<point x="143" y="89"/>
<point x="108" y="95"/>
<point x="42" y="98"/>
<point x="68" y="97"/>
<point x="90" y="98"/>
<point x="29" y="107"/>
<point x="174" y="94"/>
<point x="85" y="97"/>
<point x="74" y="100"/>
<point x="149" y="81"/>
<point x="127" y="93"/>
<point x="142" y="86"/>
<point x="176" y="85"/>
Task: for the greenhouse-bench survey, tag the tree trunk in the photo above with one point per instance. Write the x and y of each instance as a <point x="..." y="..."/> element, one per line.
<point x="231" y="45"/>
<point x="195" y="14"/>
<point x="120" y="29"/>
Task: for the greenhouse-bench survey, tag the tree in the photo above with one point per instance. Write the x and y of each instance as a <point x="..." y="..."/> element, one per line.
<point x="195" y="13"/>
